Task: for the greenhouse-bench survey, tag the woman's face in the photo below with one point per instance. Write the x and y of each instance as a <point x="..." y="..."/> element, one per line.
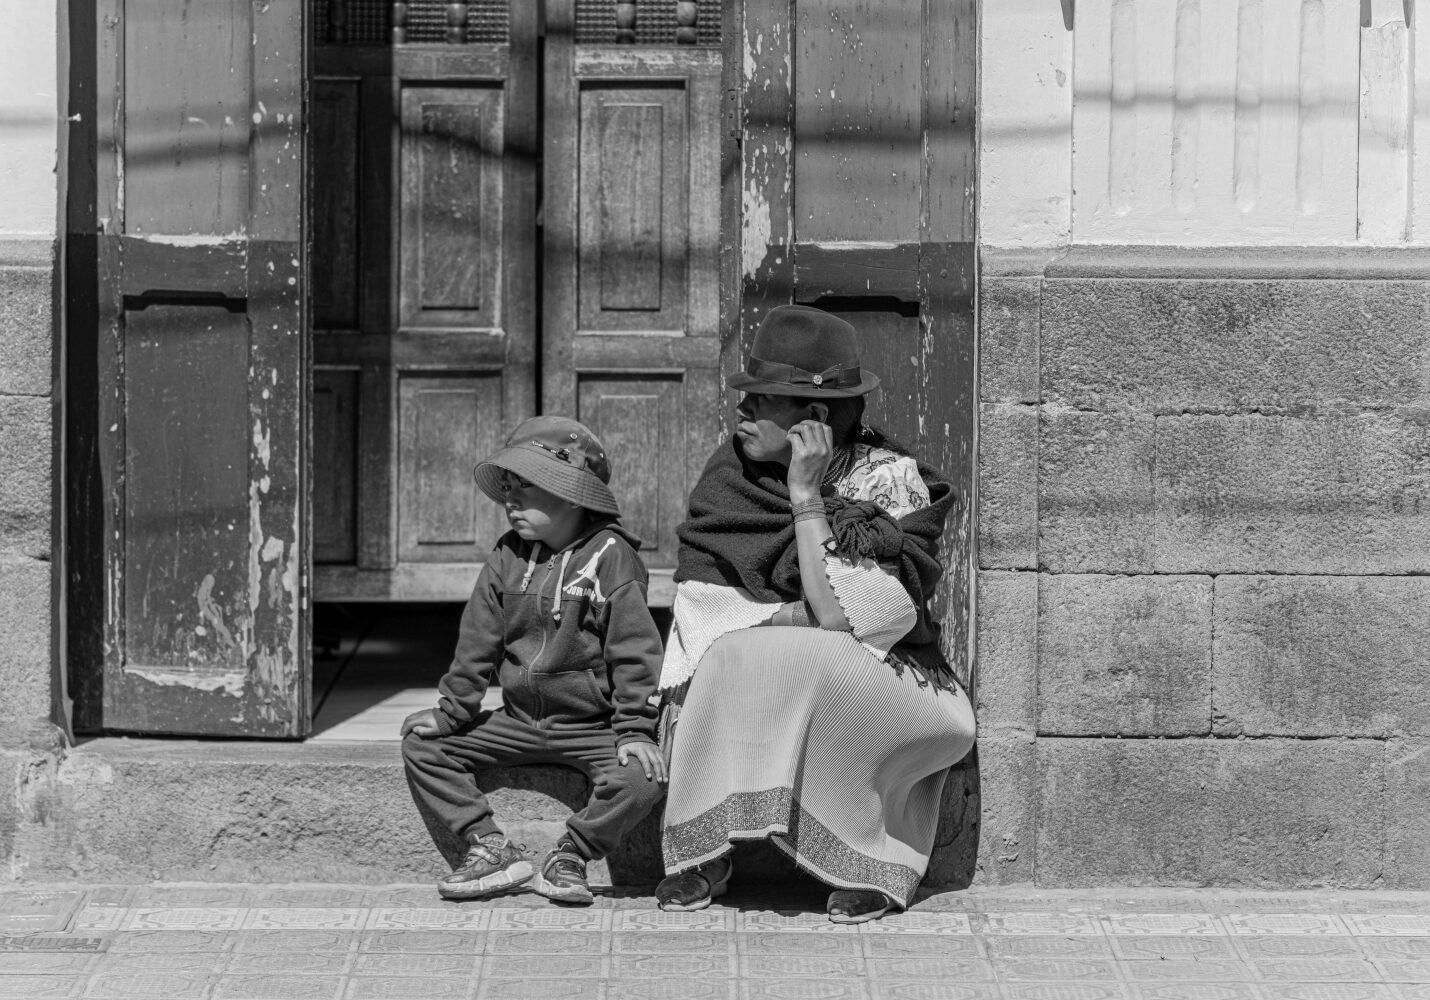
<point x="762" y="423"/>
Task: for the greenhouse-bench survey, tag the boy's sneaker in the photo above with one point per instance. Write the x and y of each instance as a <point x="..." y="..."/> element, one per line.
<point x="493" y="865"/>
<point x="563" y="876"/>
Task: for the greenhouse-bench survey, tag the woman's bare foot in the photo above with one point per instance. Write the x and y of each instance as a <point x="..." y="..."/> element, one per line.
<point x="854" y="906"/>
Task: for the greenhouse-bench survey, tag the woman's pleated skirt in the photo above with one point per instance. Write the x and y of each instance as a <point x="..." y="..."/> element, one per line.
<point x="801" y="736"/>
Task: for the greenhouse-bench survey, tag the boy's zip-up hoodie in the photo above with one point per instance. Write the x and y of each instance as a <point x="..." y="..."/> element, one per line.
<point x="567" y="634"/>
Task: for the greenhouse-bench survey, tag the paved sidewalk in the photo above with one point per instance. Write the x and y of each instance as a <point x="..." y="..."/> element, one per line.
<point x="294" y="942"/>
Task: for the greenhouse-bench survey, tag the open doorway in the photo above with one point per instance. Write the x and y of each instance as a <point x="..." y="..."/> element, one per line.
<point x="515" y="209"/>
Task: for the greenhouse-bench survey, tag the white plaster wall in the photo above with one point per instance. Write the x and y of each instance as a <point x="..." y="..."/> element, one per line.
<point x="1025" y="124"/>
<point x="1204" y="122"/>
<point x="29" y="118"/>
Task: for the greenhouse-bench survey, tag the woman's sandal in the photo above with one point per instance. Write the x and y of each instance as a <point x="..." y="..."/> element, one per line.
<point x="855" y="906"/>
<point x="693" y="889"/>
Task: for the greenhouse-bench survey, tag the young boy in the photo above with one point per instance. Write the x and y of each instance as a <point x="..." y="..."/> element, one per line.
<point x="559" y="616"/>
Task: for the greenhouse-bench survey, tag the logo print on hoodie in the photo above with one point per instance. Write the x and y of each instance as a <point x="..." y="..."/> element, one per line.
<point x="588" y="572"/>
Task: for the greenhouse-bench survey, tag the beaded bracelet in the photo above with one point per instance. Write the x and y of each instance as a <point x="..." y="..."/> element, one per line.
<point x="807" y="510"/>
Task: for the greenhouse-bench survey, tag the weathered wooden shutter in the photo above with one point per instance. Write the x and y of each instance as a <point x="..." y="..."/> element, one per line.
<point x="858" y="181"/>
<point x="202" y="366"/>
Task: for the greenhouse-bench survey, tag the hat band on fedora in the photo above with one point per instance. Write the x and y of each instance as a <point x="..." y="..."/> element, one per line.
<point x="834" y="377"/>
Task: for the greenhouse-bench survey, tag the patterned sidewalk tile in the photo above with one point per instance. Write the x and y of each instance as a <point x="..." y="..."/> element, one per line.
<point x="1042" y="923"/>
<point x="1047" y="946"/>
<point x="1395" y="970"/>
<point x="266" y="941"/>
<point x="798" y="943"/>
<point x="407" y="988"/>
<point x="329" y="896"/>
<point x="1317" y="970"/>
<point x="788" y="966"/>
<point x="539" y="989"/>
<point x="392" y="918"/>
<point x="53" y="963"/>
<point x="545" y="943"/>
<point x="921" y="945"/>
<point x="27" y="987"/>
<point x="546" y="966"/>
<point x="305" y="918"/>
<point x="1414" y="992"/>
<point x="915" y="922"/>
<point x="1067" y="991"/>
<point x="661" y="942"/>
<point x="803" y="989"/>
<point x="754" y="921"/>
<point x="1197" y="991"/>
<point x="919" y="990"/>
<point x="149" y="985"/>
<point x="193" y="962"/>
<point x="550" y="918"/>
<point x="38" y="912"/>
<point x="1329" y="991"/>
<point x="1160" y="947"/>
<point x="656" y="966"/>
<point x="1123" y="924"/>
<point x="1284" y="923"/>
<point x="1056" y="970"/>
<point x="99" y="918"/>
<point x="1409" y="924"/>
<point x="676" y="989"/>
<point x="711" y="919"/>
<point x="971" y="970"/>
<point x="155" y="897"/>
<point x="318" y="963"/>
<point x="176" y="940"/>
<point x="52" y="942"/>
<point x="399" y="964"/>
<point x="1182" y="970"/>
<point x="426" y="941"/>
<point x="1262" y="946"/>
<point x="1395" y="947"/>
<point x="184" y="918"/>
<point x="279" y="987"/>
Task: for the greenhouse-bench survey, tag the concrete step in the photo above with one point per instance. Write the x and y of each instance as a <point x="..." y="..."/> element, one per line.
<point x="116" y="809"/>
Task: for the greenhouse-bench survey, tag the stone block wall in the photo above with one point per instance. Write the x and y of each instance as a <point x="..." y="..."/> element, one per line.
<point x="26" y="447"/>
<point x="1204" y="540"/>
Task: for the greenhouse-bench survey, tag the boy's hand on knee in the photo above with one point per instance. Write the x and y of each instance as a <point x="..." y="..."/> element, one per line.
<point x="649" y="757"/>
<point x="423" y="723"/>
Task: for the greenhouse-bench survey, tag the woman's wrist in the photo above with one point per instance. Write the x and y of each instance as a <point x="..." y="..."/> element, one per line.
<point x="804" y="494"/>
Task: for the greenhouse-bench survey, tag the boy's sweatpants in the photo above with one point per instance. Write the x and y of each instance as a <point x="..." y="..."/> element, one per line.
<point x="441" y="774"/>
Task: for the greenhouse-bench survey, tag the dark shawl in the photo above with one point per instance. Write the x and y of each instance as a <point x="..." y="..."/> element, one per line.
<point x="739" y="534"/>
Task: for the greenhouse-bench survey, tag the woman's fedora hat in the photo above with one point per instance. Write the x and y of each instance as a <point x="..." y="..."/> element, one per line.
<point x="807" y="352"/>
<point x="558" y="454"/>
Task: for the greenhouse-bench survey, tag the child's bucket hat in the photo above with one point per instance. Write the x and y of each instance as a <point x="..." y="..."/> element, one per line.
<point x="806" y="352"/>
<point x="558" y="454"/>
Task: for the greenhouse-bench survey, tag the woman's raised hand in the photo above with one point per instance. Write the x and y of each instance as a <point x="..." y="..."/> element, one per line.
<point x="811" y="448"/>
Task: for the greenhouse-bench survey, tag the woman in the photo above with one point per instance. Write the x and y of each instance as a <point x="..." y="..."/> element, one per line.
<point x="814" y="706"/>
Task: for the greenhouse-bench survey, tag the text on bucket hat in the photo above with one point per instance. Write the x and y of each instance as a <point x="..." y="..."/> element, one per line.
<point x="558" y="454"/>
<point x="803" y="351"/>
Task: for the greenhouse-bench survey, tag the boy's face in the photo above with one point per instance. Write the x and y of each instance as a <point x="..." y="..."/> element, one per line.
<point x="537" y="515"/>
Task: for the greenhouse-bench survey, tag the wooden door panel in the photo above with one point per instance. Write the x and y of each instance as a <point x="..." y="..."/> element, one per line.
<point x="643" y="424"/>
<point x="452" y="202"/>
<point x="335" y="108"/>
<point x="448" y="424"/>
<point x="201" y="353"/>
<point x="335" y="454"/>
<point x="634" y="208"/>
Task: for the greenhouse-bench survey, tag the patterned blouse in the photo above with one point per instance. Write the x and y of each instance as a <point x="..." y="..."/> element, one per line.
<point x="875" y="604"/>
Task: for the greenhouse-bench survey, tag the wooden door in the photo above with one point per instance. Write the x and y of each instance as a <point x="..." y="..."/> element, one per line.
<point x="631" y="332"/>
<point x="200" y="367"/>
<point x="425" y="279"/>
<point x="465" y="232"/>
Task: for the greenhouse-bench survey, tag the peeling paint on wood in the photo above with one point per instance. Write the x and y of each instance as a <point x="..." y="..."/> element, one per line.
<point x="201" y="339"/>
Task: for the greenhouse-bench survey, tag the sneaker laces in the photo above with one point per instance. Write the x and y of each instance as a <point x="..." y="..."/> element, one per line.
<point x="567" y="863"/>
